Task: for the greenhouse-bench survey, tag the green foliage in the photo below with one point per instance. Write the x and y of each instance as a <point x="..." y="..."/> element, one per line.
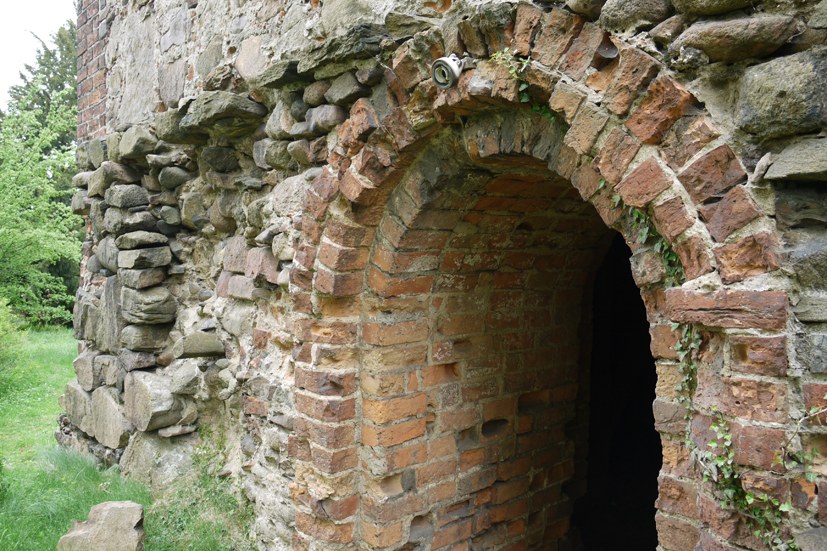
<point x="687" y="346"/>
<point x="516" y="66"/>
<point x="641" y="221"/>
<point x="37" y="228"/>
<point x="10" y="337"/>
<point x="800" y="459"/>
<point x="204" y="513"/>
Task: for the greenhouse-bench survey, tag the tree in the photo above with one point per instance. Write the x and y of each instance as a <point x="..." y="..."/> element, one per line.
<point x="37" y="228"/>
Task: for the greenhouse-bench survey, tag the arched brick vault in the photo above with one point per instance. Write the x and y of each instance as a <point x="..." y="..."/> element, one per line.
<point x="439" y="283"/>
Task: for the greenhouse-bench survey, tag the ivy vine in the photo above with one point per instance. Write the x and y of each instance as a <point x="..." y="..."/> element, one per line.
<point x="516" y="66"/>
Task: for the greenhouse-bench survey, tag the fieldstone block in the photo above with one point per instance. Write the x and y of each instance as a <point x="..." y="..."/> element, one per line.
<point x="220" y="159"/>
<point x="785" y="96"/>
<point x="136" y="259"/>
<point x="111" y="526"/>
<point x="139" y="279"/>
<point x="811" y="308"/>
<point x="148" y="402"/>
<point x="198" y="345"/>
<point x="811" y="350"/>
<point x="131" y="360"/>
<point x="632" y="15"/>
<point x="137" y="142"/>
<point x="110" y="173"/>
<point x="325" y="118"/>
<point x="172" y="176"/>
<point x="709" y="7"/>
<point x="186" y="379"/>
<point x="211" y="107"/>
<point x="87" y="376"/>
<point x="806" y="160"/>
<point x="737" y="39"/>
<point x="145" y="338"/>
<point x="120" y="221"/>
<point x="107" y="254"/>
<point x="110" y="317"/>
<point x="346" y="89"/>
<point x="111" y="427"/>
<point x="77" y="403"/>
<point x="140" y="239"/>
<point x="269" y="154"/>
<point x="241" y="287"/>
<point x="149" y="306"/>
<point x="126" y="196"/>
<point x="80" y="203"/>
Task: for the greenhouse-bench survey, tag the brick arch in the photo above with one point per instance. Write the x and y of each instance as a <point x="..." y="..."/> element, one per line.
<point x="435" y="210"/>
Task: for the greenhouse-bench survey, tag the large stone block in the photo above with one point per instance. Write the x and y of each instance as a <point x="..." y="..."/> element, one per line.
<point x="144" y="258"/>
<point x="145" y="338"/>
<point x="198" y="345"/>
<point x="148" y="402"/>
<point x="110" y="317"/>
<point x="126" y="196"/>
<point x="736" y="39"/>
<point x="120" y="221"/>
<point x="111" y="526"/>
<point x="148" y="306"/>
<point x="77" y="403"/>
<point x="87" y="376"/>
<point x="806" y="160"/>
<point x="111" y="427"/>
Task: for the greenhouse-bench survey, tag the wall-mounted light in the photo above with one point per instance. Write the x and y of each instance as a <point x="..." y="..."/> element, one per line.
<point x="445" y="71"/>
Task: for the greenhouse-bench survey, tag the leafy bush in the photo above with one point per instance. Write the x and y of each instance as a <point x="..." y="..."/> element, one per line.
<point x="10" y="337"/>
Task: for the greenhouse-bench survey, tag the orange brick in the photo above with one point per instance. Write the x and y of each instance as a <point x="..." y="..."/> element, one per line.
<point x="394" y="434"/>
<point x="381" y="536"/>
<point x="452" y="534"/>
<point x="386" y="411"/>
<point x="435" y="472"/>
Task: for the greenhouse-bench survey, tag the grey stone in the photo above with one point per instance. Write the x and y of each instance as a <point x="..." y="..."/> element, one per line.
<point x="172" y="77"/>
<point x="87" y="376"/>
<point x="220" y="180"/>
<point x="137" y="259"/>
<point x="166" y="229"/>
<point x="108" y="254"/>
<point x="279" y="74"/>
<point x="145" y="338"/>
<point x="148" y="306"/>
<point x="94" y="265"/>
<point x="171" y="177"/>
<point x="736" y="39"/>
<point x="210" y="57"/>
<point x="211" y="107"/>
<point x="110" y="318"/>
<point x="300" y="151"/>
<point x="370" y="77"/>
<point x="222" y="223"/>
<point x="140" y="239"/>
<point x="785" y="96"/>
<point x="811" y="308"/>
<point x="811" y="351"/>
<point x="288" y="195"/>
<point x="402" y="25"/>
<point x="77" y="403"/>
<point x="280" y="121"/>
<point x="137" y="142"/>
<point x="812" y="540"/>
<point x="112" y="371"/>
<point x="709" y="7"/>
<point x="120" y="221"/>
<point x="248" y="182"/>
<point x="220" y="159"/>
<point x="82" y="158"/>
<point x="806" y="160"/>
<point x="314" y="94"/>
<point x="160" y="462"/>
<point x="301" y="130"/>
<point x="148" y="402"/>
<point x="168" y="128"/>
<point x="809" y="262"/>
<point x="299" y="109"/>
<point x="186" y="379"/>
<point x="171" y="215"/>
<point x="241" y="287"/>
<point x="80" y="205"/>
<point x="632" y="15"/>
<point x="800" y="207"/>
<point x="176" y="430"/>
<point x="84" y="316"/>
<point x="192" y="207"/>
<point x="113" y="147"/>
<point x="818" y="20"/>
<point x="178" y="31"/>
<point x="111" y="427"/>
<point x="136" y="360"/>
<point x="322" y="120"/>
<point x="589" y="8"/>
<point x="111" y="526"/>
<point x="97" y="151"/>
<point x="198" y="345"/>
<point x="126" y="196"/>
<point x="269" y="154"/>
<point x="111" y="173"/>
<point x="81" y="179"/>
<point x="361" y="41"/>
<point x="346" y="89"/>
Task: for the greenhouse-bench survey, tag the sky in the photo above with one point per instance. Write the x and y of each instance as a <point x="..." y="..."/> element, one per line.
<point x="43" y="18"/>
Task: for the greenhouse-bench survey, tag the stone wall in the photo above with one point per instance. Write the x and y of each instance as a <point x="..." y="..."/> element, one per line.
<point x="378" y="290"/>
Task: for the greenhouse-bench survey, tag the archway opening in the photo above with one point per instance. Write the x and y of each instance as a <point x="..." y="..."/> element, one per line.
<point x="617" y="510"/>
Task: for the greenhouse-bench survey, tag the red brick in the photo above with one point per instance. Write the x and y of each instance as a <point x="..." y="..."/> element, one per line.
<point x="330" y="332"/>
<point x="694" y="257"/>
<point x="643" y="184"/>
<point x="395" y="409"/>
<point x="672" y="218"/>
<point x="325" y="383"/>
<point x="685" y="139"/>
<point x="712" y="174"/>
<point x="558" y="31"/>
<point x="477" y="457"/>
<point x="404" y="238"/>
<point x="393" y="435"/>
<point x="398" y="333"/>
<point x="748" y="257"/>
<point x="254" y="406"/>
<point x="326" y="184"/>
<point x="675" y="496"/>
<point x="459" y="419"/>
<point x="734" y="309"/>
<point x="582" y="52"/>
<point x="325" y="408"/>
<point x="324" y="531"/>
<point x="335" y="461"/>
<point x="347" y="235"/>
<point x="396" y="262"/>
<point x="663" y="341"/>
<point x="436" y="472"/>
<point x="733" y="212"/>
<point x="528" y="20"/>
<point x="448" y="535"/>
<point x="381" y="536"/>
<point x="566" y="99"/>
<point x="760" y="355"/>
<point x="666" y="101"/>
<point x="675" y="534"/>
<point x="618" y="151"/>
<point x="461" y="325"/>
<point x="756" y="446"/>
<point x="339" y="285"/>
<point x="635" y="70"/>
<point x="388" y="286"/>
<point x="586" y="126"/>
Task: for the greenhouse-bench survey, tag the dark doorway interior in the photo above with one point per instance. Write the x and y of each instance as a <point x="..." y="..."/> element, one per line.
<point x="617" y="512"/>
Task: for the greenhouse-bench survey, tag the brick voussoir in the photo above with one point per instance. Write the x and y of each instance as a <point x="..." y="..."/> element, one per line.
<point x="729" y="309"/>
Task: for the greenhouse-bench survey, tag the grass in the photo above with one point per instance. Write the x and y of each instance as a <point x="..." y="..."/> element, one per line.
<point x="43" y="489"/>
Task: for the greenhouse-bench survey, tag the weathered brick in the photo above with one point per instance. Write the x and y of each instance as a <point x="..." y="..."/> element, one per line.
<point x="343" y="259"/>
<point x="395" y="409"/>
<point x="459" y="419"/>
<point x="381" y="536"/>
<point x="685" y="139"/>
<point x="397" y="333"/>
<point x="712" y="174"/>
<point x="643" y="184"/>
<point x="436" y="472"/>
<point x="743" y="398"/>
<point x="663" y="341"/>
<point x="322" y="530"/>
<point x="393" y="435"/>
<point x="558" y="31"/>
<point x="331" y="332"/>
<point x="452" y="533"/>
<point x="635" y="70"/>
<point x="527" y="26"/>
<point x="330" y="409"/>
<point x="694" y="257"/>
<point x="672" y="218"/>
<point x="582" y="52"/>
<point x="747" y="257"/>
<point x="665" y="102"/>
<point x="675" y="534"/>
<point x="326" y="383"/>
<point x="733" y="212"/>
<point x="586" y="126"/>
<point x="735" y="309"/>
<point x="566" y="99"/>
<point x="760" y="355"/>
<point x="326" y="184"/>
<point x="336" y="461"/>
<point x="338" y="285"/>
<point x="618" y="151"/>
<point x="347" y="235"/>
<point x="389" y="286"/>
